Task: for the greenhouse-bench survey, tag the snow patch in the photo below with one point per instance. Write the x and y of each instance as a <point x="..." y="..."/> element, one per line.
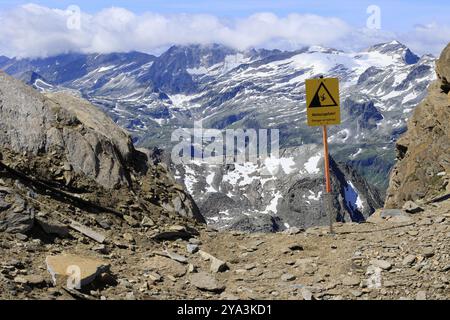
<point x="313" y="196"/>
<point x="312" y="163"/>
<point x="272" y="207"/>
<point x="103" y="69"/>
<point x="352" y="198"/>
<point x="273" y="164"/>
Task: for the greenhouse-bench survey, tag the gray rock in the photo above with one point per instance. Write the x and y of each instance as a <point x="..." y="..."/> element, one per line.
<point x="147" y="222"/>
<point x="218" y="265"/>
<point x="165" y="266"/>
<point x="421" y="295"/>
<point x="356" y="293"/>
<point x="88" y="232"/>
<point x="17" y="217"/>
<point x="412" y="207"/>
<point x="93" y="152"/>
<point x="306" y="294"/>
<point x="176" y="257"/>
<point x="154" y="276"/>
<point x="292" y="231"/>
<point x="299" y="203"/>
<point x="351" y="281"/>
<point x="53" y="227"/>
<point x="204" y="281"/>
<point x="12" y="222"/>
<point x="195" y="241"/>
<point x="192" y="248"/>
<point x="288" y="277"/>
<point x="409" y="260"/>
<point x="427" y="252"/>
<point x="383" y="264"/>
<point x="32" y="280"/>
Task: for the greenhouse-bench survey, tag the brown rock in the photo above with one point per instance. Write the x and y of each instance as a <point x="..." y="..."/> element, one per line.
<point x="73" y="269"/>
<point x="165" y="266"/>
<point x="423" y="150"/>
<point x="204" y="281"/>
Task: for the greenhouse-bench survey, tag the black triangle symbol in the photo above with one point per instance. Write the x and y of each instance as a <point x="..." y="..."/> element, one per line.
<point x="316" y="101"/>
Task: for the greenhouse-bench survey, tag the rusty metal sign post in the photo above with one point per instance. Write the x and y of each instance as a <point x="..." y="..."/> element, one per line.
<point x="322" y="109"/>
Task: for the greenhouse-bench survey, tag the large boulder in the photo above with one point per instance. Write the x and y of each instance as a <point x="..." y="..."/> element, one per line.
<point x="63" y="142"/>
<point x="89" y="141"/>
<point x="422" y="171"/>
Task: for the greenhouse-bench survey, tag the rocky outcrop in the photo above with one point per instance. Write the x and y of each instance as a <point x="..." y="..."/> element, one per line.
<point x="443" y="69"/>
<point x="422" y="171"/>
<point x="61" y="145"/>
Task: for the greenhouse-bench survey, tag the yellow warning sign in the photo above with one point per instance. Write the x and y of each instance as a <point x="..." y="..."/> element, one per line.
<point x="322" y="101"/>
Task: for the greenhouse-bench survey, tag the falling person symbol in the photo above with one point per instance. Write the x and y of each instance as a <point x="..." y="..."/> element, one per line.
<point x="322" y="98"/>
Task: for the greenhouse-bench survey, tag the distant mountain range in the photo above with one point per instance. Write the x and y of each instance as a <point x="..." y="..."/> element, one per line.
<point x="150" y="96"/>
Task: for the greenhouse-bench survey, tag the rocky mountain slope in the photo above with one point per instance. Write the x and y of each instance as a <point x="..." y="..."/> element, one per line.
<point x="396" y="256"/>
<point x="59" y="148"/>
<point x="276" y="193"/>
<point x="151" y="96"/>
<point x="422" y="171"/>
<point x="75" y="195"/>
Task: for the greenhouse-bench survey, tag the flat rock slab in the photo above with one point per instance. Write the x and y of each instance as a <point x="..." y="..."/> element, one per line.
<point x="33" y="280"/>
<point x="383" y="264"/>
<point x="77" y="270"/>
<point x="351" y="281"/>
<point x="411" y="207"/>
<point x="88" y="232"/>
<point x="165" y="266"/>
<point x="175" y="256"/>
<point x="385" y="213"/>
<point x="206" y="282"/>
<point x="176" y="232"/>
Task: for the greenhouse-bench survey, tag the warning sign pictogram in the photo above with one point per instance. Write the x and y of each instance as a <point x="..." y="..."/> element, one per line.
<point x="322" y="101"/>
<point x="323" y="98"/>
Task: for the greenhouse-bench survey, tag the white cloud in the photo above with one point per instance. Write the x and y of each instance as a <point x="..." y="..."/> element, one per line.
<point x="36" y="31"/>
<point x="429" y="38"/>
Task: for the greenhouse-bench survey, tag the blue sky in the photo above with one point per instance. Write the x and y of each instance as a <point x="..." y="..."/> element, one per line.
<point x="149" y="25"/>
<point x="397" y="15"/>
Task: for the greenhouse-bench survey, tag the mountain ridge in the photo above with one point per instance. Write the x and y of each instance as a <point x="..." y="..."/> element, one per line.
<point x="257" y="88"/>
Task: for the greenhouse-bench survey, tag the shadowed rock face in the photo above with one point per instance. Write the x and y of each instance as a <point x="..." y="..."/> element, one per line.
<point x="423" y="168"/>
<point x="64" y="142"/>
<point x="443" y="69"/>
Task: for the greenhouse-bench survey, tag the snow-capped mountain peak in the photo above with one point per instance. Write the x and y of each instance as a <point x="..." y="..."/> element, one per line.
<point x="256" y="88"/>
